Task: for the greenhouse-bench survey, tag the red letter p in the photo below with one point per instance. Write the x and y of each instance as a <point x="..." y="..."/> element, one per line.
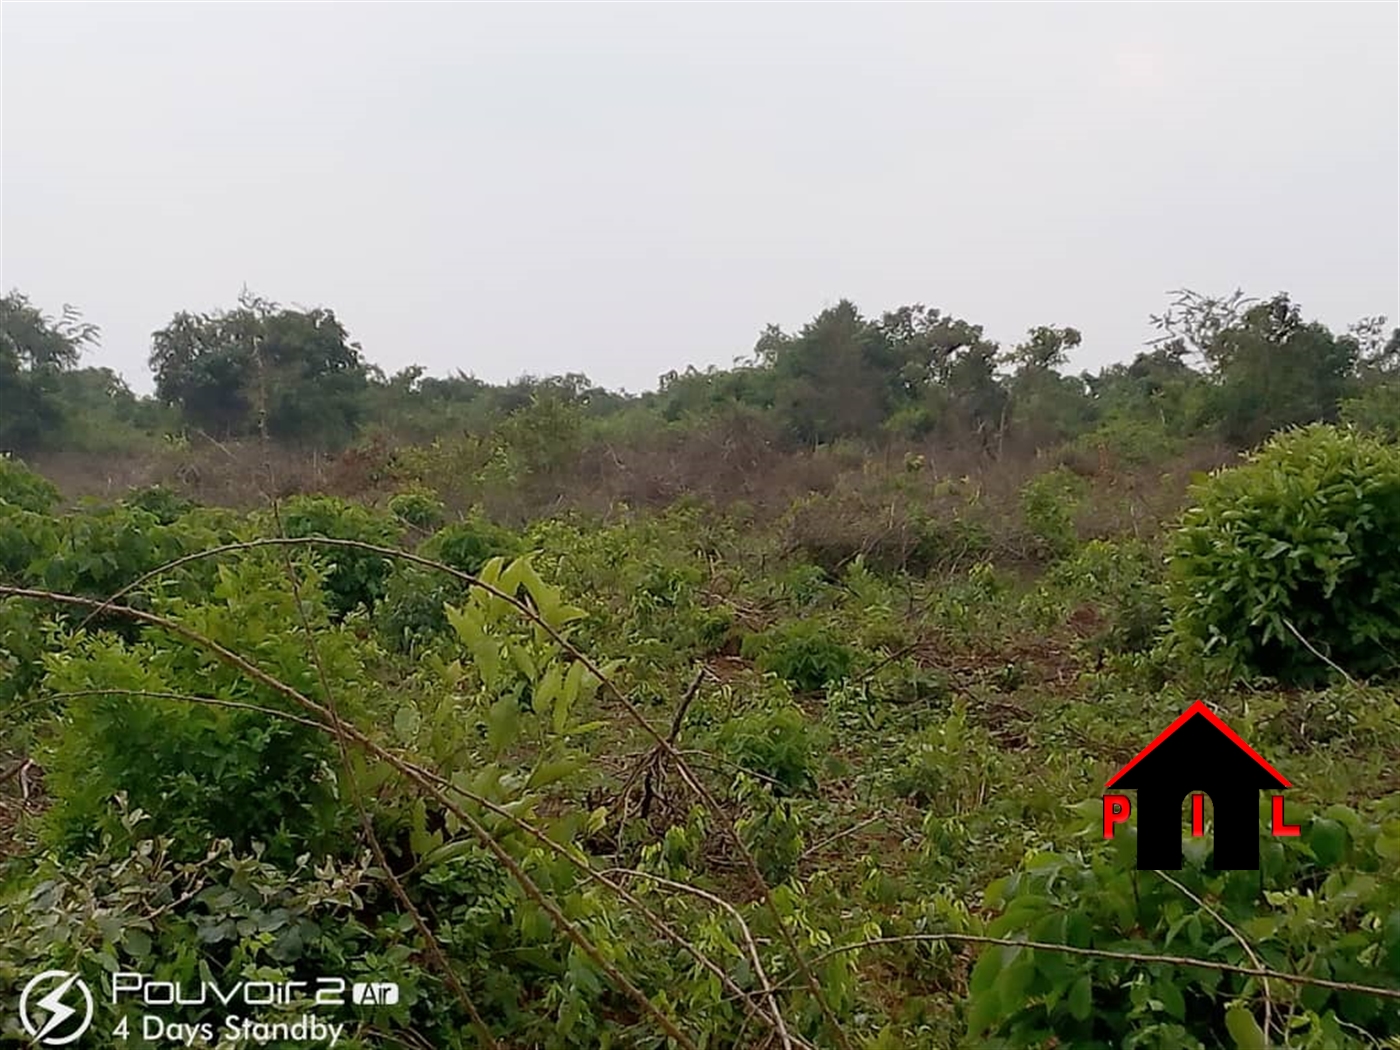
<point x="1116" y="809"/>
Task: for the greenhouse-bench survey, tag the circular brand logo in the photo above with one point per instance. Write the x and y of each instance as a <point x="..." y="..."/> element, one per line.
<point x="58" y="1027"/>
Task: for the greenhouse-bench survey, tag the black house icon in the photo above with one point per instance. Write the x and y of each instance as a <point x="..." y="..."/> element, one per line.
<point x="1198" y="753"/>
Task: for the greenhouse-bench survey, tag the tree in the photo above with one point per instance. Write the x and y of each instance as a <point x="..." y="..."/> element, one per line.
<point x="1276" y="370"/>
<point x="946" y="375"/>
<point x="835" y="379"/>
<point x="35" y="351"/>
<point x="1268" y="367"/>
<point x="1047" y="407"/>
<point x="293" y="371"/>
<point x="1045" y="349"/>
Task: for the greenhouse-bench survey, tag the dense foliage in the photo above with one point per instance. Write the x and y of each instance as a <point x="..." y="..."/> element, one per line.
<point x="751" y="711"/>
<point x="1291" y="560"/>
<point x="906" y="757"/>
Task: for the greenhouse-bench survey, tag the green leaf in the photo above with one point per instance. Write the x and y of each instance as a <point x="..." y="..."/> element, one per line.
<point x="546" y="694"/>
<point x="406" y="721"/>
<point x="1080" y="1000"/>
<point x="985" y="1011"/>
<point x="984" y="973"/>
<point x="1328" y="841"/>
<point x="137" y="942"/>
<point x="1173" y="1002"/>
<point x="547" y="773"/>
<point x="1012" y="982"/>
<point x="1243" y="1029"/>
<point x="503" y="723"/>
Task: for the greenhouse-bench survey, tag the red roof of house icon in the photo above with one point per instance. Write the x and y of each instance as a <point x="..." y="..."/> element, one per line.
<point x="1191" y="712"/>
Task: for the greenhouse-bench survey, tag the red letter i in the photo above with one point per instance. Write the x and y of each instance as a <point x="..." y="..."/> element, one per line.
<point x="1198" y="815"/>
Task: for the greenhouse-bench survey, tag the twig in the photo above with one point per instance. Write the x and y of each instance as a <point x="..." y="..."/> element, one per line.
<point x="720" y="902"/>
<point x="1239" y="938"/>
<point x="653" y="758"/>
<point x="891" y="658"/>
<point x="839" y="835"/>
<point x="15" y="770"/>
<point x="1288" y="623"/>
<point x="1100" y="953"/>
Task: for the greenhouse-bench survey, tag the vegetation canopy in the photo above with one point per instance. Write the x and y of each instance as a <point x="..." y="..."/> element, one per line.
<point x="771" y="708"/>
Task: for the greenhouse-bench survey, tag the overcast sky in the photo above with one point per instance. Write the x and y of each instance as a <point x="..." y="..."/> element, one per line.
<point x="625" y="189"/>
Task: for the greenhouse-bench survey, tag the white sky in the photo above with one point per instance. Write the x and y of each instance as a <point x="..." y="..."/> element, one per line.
<point x="625" y="189"/>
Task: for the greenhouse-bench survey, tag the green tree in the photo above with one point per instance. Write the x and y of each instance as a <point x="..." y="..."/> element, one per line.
<point x="35" y="351"/>
<point x="1269" y="368"/>
<point x="1047" y="407"/>
<point x="835" y="378"/>
<point x="295" y="370"/>
<point x="945" y="374"/>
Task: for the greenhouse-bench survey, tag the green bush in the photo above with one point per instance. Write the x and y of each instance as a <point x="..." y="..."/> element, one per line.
<point x="162" y="503"/>
<point x="411" y="612"/>
<point x="22" y="488"/>
<point x="27" y="538"/>
<point x="98" y="550"/>
<point x="204" y="772"/>
<point x="802" y="653"/>
<point x="468" y="545"/>
<point x="1294" y="551"/>
<point x="1336" y="913"/>
<point x="356" y="578"/>
<point x="419" y="507"/>
<point x="1048" y="502"/>
<point x="777" y="743"/>
<point x="1121" y="581"/>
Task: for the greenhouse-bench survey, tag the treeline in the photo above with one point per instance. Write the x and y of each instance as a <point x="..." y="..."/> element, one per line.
<point x="1229" y="368"/>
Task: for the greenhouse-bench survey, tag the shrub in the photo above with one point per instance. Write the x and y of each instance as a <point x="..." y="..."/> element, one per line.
<point x="1122" y="581"/>
<point x="1048" y="502"/>
<point x="1376" y="408"/>
<point x="1336" y="913"/>
<point x="468" y="545"/>
<point x="1294" y="551"/>
<point x="356" y="578"/>
<point x="21" y="487"/>
<point x="161" y="503"/>
<point x="411" y="612"/>
<point x="204" y="771"/>
<point x="777" y="743"/>
<point x="803" y="653"/>
<point x="418" y="507"/>
<point x="27" y="538"/>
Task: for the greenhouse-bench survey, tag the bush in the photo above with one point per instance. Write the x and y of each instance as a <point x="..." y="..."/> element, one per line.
<point x="802" y="653"/>
<point x="203" y="771"/>
<point x="468" y="545"/>
<point x="1337" y="913"/>
<point x="1298" y="543"/>
<point x="162" y="503"/>
<point x="776" y="743"/>
<point x="356" y="578"/>
<point x="418" y="507"/>
<point x="411" y="612"/>
<point x="1122" y="582"/>
<point x="22" y="488"/>
<point x="1048" y="502"/>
